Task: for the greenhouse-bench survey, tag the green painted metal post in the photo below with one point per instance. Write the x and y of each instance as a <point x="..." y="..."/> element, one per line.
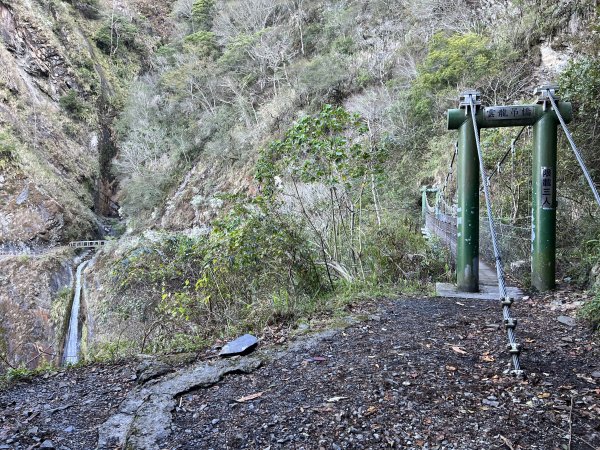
<point x="543" y="225"/>
<point x="543" y="243"/>
<point x="467" y="242"/>
<point x="424" y="206"/>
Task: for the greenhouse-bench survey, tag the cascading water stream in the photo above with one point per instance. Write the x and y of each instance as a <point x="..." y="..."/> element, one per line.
<point x="71" y="353"/>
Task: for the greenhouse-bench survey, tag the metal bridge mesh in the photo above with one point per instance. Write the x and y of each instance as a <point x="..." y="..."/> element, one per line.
<point x="514" y="241"/>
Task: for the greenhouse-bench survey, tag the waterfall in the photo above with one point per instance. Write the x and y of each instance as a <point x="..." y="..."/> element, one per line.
<point x="71" y="353"/>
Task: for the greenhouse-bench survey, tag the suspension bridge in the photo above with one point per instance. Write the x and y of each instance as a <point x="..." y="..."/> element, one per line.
<point x="457" y="224"/>
<point x="87" y="244"/>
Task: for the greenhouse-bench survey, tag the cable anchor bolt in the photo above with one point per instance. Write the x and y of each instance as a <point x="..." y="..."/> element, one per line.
<point x="507" y="301"/>
<point x="514" y="348"/>
<point x="520" y="374"/>
<point x="510" y="323"/>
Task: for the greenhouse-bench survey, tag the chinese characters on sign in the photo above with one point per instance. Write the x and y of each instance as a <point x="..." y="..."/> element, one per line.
<point x="508" y="112"/>
<point x="547" y="180"/>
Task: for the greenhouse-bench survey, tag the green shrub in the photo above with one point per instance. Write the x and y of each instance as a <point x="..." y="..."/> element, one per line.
<point x="116" y="35"/>
<point x="325" y="77"/>
<point x="72" y="104"/>
<point x="591" y="311"/>
<point x="345" y="45"/>
<point x="8" y="150"/>
<point x="235" y="53"/>
<point x="253" y="268"/>
<point x="201" y="43"/>
<point x="452" y="61"/>
<point x="202" y="14"/>
<point x="328" y="147"/>
<point x="395" y="252"/>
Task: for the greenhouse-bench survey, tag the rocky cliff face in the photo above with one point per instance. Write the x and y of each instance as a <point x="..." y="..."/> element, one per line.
<point x="48" y="163"/>
<point x="32" y="318"/>
<point x="59" y="94"/>
<point x="51" y="160"/>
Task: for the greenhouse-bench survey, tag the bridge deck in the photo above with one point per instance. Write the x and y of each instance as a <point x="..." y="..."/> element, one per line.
<point x="444" y="227"/>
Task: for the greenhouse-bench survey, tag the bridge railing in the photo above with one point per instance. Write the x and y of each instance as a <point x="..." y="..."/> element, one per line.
<point x="87" y="244"/>
<point x="444" y="227"/>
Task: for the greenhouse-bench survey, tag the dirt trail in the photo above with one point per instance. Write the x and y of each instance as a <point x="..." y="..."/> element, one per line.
<point x="416" y="374"/>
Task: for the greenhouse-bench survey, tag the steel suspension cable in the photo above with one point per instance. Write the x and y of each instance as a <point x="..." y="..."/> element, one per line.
<point x="509" y="151"/>
<point x="509" y="323"/>
<point x="574" y="147"/>
<point x="447" y="179"/>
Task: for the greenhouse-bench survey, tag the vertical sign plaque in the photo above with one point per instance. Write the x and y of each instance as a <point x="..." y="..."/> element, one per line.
<point x="547" y="198"/>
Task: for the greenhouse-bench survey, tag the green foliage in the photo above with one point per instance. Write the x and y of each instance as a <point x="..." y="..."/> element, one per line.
<point x="236" y="51"/>
<point x="22" y="373"/>
<point x="252" y="268"/>
<point x="59" y="313"/>
<point x="331" y="151"/>
<point x="453" y="61"/>
<point x="580" y="82"/>
<point x="202" y="14"/>
<point x="395" y="252"/>
<point x="73" y="105"/>
<point x="586" y="255"/>
<point x="202" y="43"/>
<point x="344" y="44"/>
<point x="329" y="147"/>
<point x="325" y="77"/>
<point x="116" y="36"/>
<point x="90" y="9"/>
<point x="8" y="150"/>
<point x="591" y="311"/>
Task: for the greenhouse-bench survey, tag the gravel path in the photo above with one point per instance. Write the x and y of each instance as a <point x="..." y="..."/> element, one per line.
<point x="421" y="374"/>
<point x="416" y="374"/>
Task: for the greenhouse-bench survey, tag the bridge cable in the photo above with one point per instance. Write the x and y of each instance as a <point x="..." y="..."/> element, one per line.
<point x="446" y="182"/>
<point x="509" y="323"/>
<point x="574" y="147"/>
<point x="511" y="150"/>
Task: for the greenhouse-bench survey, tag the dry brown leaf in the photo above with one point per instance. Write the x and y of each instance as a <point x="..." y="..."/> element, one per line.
<point x="370" y="410"/>
<point x="487" y="358"/>
<point x="249" y="397"/>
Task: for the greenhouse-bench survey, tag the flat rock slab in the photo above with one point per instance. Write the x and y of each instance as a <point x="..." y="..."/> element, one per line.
<point x="240" y="346"/>
<point x="145" y="416"/>
<point x="566" y="320"/>
<point x="486" y="292"/>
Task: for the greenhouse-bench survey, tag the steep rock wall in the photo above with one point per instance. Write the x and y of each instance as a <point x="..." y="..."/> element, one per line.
<point x="31" y="328"/>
